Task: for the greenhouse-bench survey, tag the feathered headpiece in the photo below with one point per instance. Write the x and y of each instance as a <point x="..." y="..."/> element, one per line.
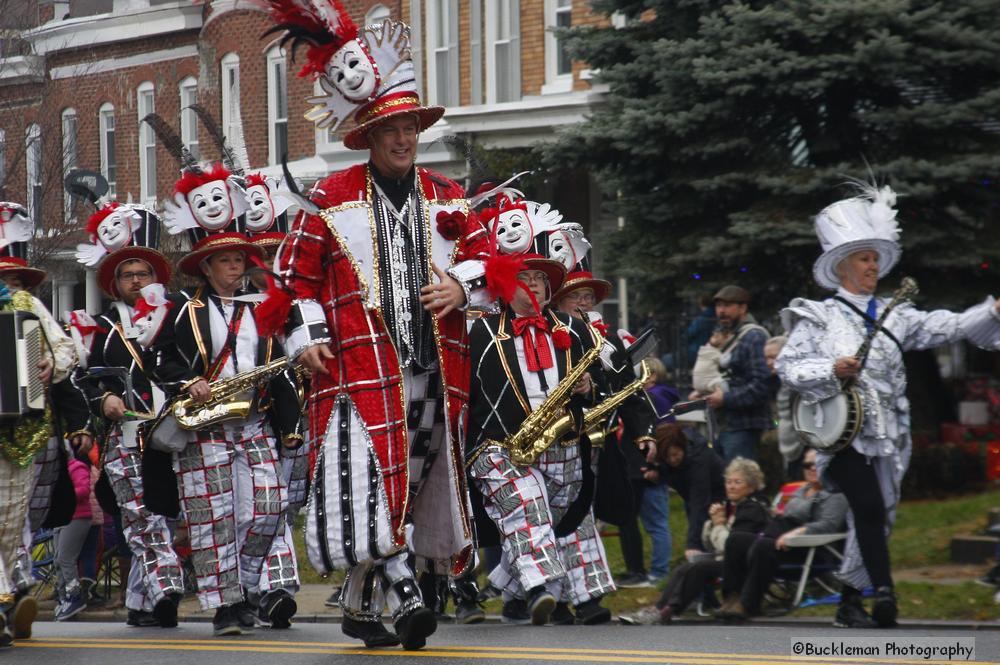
<point x="15" y="224"/>
<point x="322" y="24"/>
<point x="191" y="180"/>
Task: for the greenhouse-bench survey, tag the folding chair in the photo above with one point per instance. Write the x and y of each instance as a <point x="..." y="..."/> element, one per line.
<point x="813" y="542"/>
<point x="43" y="558"/>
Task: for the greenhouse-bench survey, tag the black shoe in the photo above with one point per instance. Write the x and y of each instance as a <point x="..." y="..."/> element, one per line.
<point x="489" y="593"/>
<point x="246" y="614"/>
<point x="414" y="628"/>
<point x="334" y="599"/>
<point x="278" y="608"/>
<point x="851" y="614"/>
<point x="991" y="578"/>
<point x="884" y="611"/>
<point x="633" y="581"/>
<point x="540" y="605"/>
<point x="515" y="612"/>
<point x="6" y="637"/>
<point x="469" y="612"/>
<point x="23" y="615"/>
<point x="591" y="613"/>
<point x="561" y="615"/>
<point x="165" y="611"/>
<point x="225" y="621"/>
<point x="141" y="619"/>
<point x="372" y="633"/>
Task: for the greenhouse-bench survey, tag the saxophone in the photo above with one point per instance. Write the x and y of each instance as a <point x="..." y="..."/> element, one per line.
<point x="231" y="399"/>
<point x="593" y="419"/>
<point x="537" y="432"/>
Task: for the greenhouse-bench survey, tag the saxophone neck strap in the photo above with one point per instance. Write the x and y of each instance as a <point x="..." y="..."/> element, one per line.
<point x="876" y="326"/>
<point x="230" y="347"/>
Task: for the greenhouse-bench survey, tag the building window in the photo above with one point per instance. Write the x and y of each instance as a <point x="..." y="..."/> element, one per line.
<point x="558" y="65"/>
<point x="33" y="171"/>
<point x="377" y="14"/>
<point x="503" y="51"/>
<point x="189" y="120"/>
<point x="475" y="52"/>
<point x="69" y="130"/>
<point x="230" y="77"/>
<point x="109" y="161"/>
<point x="277" y="105"/>
<point x="442" y="52"/>
<point x="3" y="159"/>
<point x="147" y="145"/>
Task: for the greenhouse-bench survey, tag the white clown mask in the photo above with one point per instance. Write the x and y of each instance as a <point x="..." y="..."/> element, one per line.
<point x="561" y="249"/>
<point x="352" y="73"/>
<point x="211" y="205"/>
<point x="514" y="231"/>
<point x="115" y="230"/>
<point x="261" y="213"/>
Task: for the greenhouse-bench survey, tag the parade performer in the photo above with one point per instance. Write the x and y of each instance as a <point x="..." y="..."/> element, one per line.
<point x="228" y="474"/>
<point x="379" y="275"/>
<point x="133" y="275"/>
<point x="35" y="488"/>
<point x="859" y="237"/>
<point x="521" y="359"/>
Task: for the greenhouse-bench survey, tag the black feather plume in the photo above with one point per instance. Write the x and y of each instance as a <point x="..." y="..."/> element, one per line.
<point x="228" y="157"/>
<point x="479" y="172"/>
<point x="171" y="141"/>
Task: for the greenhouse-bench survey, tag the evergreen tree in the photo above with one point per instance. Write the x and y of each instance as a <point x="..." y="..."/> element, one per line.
<point x="729" y="124"/>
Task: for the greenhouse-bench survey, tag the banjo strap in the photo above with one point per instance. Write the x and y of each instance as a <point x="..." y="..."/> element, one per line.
<point x="864" y="315"/>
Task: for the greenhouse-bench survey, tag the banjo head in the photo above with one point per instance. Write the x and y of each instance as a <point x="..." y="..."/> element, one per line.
<point x="828" y="425"/>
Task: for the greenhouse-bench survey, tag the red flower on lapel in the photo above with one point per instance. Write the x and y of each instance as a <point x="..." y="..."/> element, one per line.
<point x="561" y="339"/>
<point x="449" y="224"/>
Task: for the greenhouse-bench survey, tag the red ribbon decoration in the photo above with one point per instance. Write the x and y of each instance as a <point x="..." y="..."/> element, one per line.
<point x="84" y="330"/>
<point x="142" y="308"/>
<point x="601" y="327"/>
<point x="537" y="354"/>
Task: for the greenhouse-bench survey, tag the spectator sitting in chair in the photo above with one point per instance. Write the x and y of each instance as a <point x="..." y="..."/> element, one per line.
<point x="751" y="559"/>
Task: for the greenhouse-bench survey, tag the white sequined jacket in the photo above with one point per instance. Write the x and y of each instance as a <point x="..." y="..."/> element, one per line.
<point x="820" y="332"/>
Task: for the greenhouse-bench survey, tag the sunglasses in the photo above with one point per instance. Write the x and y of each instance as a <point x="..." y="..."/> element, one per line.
<point x="809" y="465"/>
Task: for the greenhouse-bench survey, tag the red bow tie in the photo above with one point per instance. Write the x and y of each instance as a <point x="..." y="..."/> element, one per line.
<point x="537" y="354"/>
<point x="601" y="327"/>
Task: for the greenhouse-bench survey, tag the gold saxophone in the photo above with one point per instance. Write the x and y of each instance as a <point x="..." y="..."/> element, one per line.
<point x="593" y="419"/>
<point x="537" y="432"/>
<point x="231" y="398"/>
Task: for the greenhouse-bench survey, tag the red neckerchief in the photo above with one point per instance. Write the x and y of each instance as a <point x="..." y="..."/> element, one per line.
<point x="537" y="354"/>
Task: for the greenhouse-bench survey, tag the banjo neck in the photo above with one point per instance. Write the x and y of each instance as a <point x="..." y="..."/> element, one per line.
<point x="907" y="289"/>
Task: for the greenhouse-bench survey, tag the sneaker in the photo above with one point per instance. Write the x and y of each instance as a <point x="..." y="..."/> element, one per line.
<point x="372" y="633"/>
<point x="655" y="580"/>
<point x="592" y="613"/>
<point x="23" y="615"/>
<point x="334" y="599"/>
<point x="540" y="605"/>
<point x="71" y="607"/>
<point x="415" y="627"/>
<point x="6" y="637"/>
<point x="278" y="608"/>
<point x="246" y="614"/>
<point x="991" y="578"/>
<point x="633" y="581"/>
<point x="515" y="612"/>
<point x="851" y="614"/>
<point x="562" y="616"/>
<point x="165" y="610"/>
<point x="141" y="619"/>
<point x="489" y="593"/>
<point x="469" y="612"/>
<point x="647" y="616"/>
<point x="225" y="622"/>
<point x="884" y="610"/>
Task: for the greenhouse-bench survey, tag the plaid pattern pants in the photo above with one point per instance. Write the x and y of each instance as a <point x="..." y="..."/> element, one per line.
<point x="15" y="490"/>
<point x="231" y="493"/>
<point x="525" y="502"/>
<point x="155" y="568"/>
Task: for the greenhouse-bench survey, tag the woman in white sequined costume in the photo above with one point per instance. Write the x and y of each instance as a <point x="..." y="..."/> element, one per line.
<point x="859" y="237"/>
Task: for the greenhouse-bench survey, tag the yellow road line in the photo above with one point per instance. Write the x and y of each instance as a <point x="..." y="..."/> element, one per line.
<point x="485" y="652"/>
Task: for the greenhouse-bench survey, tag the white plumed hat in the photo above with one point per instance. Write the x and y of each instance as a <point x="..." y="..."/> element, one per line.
<point x="866" y="221"/>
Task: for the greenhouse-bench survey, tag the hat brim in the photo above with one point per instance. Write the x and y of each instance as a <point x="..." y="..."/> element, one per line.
<point x="190" y="264"/>
<point x="30" y="277"/>
<point x="825" y="268"/>
<point x="267" y="240"/>
<point x="601" y="288"/>
<point x="109" y="267"/>
<point x="554" y="270"/>
<point x="357" y="138"/>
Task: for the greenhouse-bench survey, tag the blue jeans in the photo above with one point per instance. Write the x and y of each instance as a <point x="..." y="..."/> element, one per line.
<point x="654" y="513"/>
<point x="738" y="443"/>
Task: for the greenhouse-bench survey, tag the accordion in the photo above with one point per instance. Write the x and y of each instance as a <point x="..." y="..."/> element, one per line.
<point x="21" y="391"/>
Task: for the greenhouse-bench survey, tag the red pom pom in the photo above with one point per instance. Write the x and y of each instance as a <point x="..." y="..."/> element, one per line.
<point x="95" y="220"/>
<point x="501" y="275"/>
<point x="449" y="224"/>
<point x="561" y="339"/>
<point x="192" y="179"/>
<point x="272" y="314"/>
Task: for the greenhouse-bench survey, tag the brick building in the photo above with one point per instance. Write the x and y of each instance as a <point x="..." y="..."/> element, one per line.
<point x="76" y="76"/>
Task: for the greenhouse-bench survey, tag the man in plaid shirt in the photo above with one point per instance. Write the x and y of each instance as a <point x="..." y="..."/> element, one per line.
<point x="742" y="409"/>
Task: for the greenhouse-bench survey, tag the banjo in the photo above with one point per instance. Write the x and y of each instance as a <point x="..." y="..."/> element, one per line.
<point x="830" y="425"/>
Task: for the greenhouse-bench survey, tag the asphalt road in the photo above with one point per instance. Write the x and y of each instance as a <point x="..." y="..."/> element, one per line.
<point x="115" y="644"/>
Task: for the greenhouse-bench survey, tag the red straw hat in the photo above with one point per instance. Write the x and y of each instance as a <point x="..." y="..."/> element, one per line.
<point x="216" y="242"/>
<point x="584" y="280"/>
<point x="18" y="267"/>
<point x="389" y="106"/>
<point x="108" y="268"/>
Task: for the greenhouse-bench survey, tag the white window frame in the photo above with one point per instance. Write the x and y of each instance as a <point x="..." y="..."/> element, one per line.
<point x="104" y="115"/>
<point x="377" y="13"/>
<point x="70" y="135"/>
<point x="475" y="52"/>
<point x="555" y="82"/>
<point x="416" y="44"/>
<point x="510" y="43"/>
<point x="146" y="104"/>
<point x="276" y="58"/>
<point x="188" y="89"/>
<point x="33" y="168"/>
<point x="442" y="53"/>
<point x="229" y="81"/>
<point x="3" y="158"/>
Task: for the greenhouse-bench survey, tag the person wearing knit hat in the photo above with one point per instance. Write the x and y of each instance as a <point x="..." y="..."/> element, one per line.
<point x="519" y="356"/>
<point x="859" y="237"/>
<point x="133" y="275"/>
<point x="376" y="273"/>
<point x="34" y="483"/>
